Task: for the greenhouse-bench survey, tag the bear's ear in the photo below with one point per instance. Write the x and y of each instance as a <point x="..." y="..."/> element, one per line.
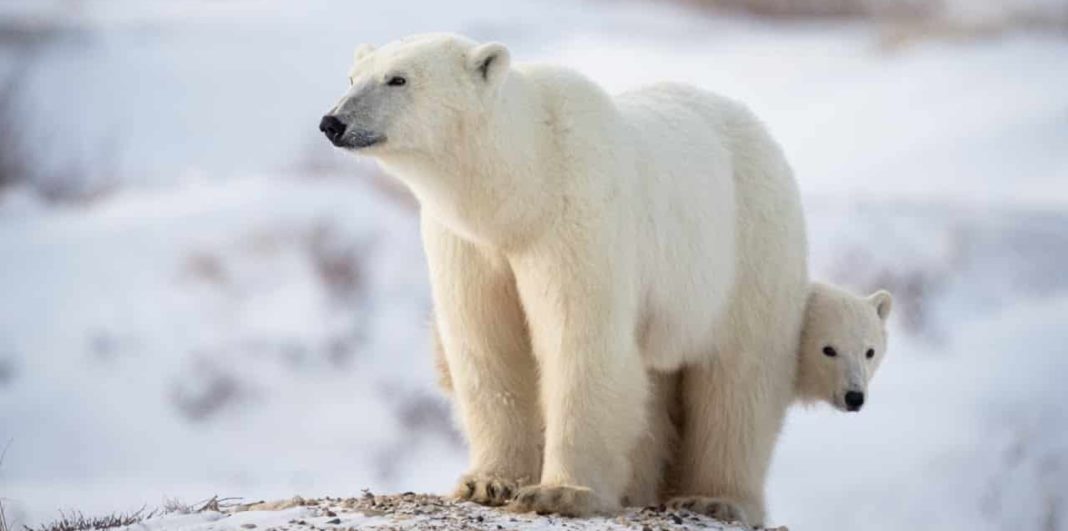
<point x="489" y="62"/>
<point x="362" y="51"/>
<point x="882" y="301"/>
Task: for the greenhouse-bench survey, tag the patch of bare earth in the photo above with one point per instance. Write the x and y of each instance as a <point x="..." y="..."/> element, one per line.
<point x="432" y="512"/>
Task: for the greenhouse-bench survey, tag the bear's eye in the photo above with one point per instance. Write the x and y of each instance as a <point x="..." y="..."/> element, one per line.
<point x="829" y="351"/>
<point x="397" y="81"/>
<point x="870" y="353"/>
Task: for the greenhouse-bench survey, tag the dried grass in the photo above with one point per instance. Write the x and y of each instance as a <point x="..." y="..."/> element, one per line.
<point x="76" y="521"/>
<point x="3" y="515"/>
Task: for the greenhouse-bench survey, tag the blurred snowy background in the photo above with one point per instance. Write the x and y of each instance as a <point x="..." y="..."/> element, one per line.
<point x="199" y="296"/>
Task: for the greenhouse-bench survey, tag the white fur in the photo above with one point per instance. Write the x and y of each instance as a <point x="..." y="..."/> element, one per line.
<point x="577" y="240"/>
<point x="834" y="318"/>
<point x="849" y="325"/>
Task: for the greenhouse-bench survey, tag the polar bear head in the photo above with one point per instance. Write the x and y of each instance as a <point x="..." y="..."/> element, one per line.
<point x="418" y="94"/>
<point x="842" y="344"/>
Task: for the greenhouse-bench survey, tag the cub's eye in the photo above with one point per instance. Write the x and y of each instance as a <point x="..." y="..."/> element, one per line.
<point x="870" y="353"/>
<point x="397" y="81"/>
<point x="829" y="351"/>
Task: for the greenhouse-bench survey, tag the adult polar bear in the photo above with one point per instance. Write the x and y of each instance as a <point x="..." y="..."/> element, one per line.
<point x="577" y="240"/>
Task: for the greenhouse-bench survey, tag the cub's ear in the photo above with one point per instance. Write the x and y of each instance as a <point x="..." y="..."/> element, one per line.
<point x="362" y="51"/>
<point x="882" y="301"/>
<point x="489" y="62"/>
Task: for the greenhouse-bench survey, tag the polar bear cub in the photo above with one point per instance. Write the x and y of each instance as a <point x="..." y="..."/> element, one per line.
<point x="843" y="342"/>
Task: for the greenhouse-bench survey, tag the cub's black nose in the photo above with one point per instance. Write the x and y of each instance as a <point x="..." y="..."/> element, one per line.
<point x="333" y="128"/>
<point x="853" y="400"/>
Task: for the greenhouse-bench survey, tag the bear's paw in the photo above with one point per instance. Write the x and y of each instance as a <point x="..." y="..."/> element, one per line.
<point x="557" y="499"/>
<point x="486" y="489"/>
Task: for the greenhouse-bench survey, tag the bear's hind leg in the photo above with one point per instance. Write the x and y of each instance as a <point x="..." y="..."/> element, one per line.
<point x="658" y="443"/>
<point x="732" y="413"/>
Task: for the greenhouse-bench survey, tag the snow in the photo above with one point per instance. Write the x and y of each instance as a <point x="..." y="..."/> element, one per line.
<point x="409" y="511"/>
<point x="247" y="315"/>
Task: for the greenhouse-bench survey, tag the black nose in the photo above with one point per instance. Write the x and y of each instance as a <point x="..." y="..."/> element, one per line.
<point x="333" y="128"/>
<point x="853" y="400"/>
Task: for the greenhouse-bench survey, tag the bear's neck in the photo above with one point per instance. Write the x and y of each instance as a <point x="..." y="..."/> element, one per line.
<point x="488" y="184"/>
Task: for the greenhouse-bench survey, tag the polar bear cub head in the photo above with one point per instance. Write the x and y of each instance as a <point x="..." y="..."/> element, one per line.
<point x="416" y="94"/>
<point x="842" y="344"/>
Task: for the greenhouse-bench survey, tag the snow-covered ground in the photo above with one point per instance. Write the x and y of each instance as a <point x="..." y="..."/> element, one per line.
<point x="246" y="316"/>
<point x="409" y="511"/>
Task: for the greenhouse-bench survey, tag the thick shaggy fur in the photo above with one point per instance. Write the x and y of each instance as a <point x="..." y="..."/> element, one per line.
<point x="579" y="241"/>
<point x="850" y="325"/>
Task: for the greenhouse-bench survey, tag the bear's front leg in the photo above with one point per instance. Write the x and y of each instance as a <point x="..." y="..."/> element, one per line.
<point x="593" y="385"/>
<point x="491" y="369"/>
